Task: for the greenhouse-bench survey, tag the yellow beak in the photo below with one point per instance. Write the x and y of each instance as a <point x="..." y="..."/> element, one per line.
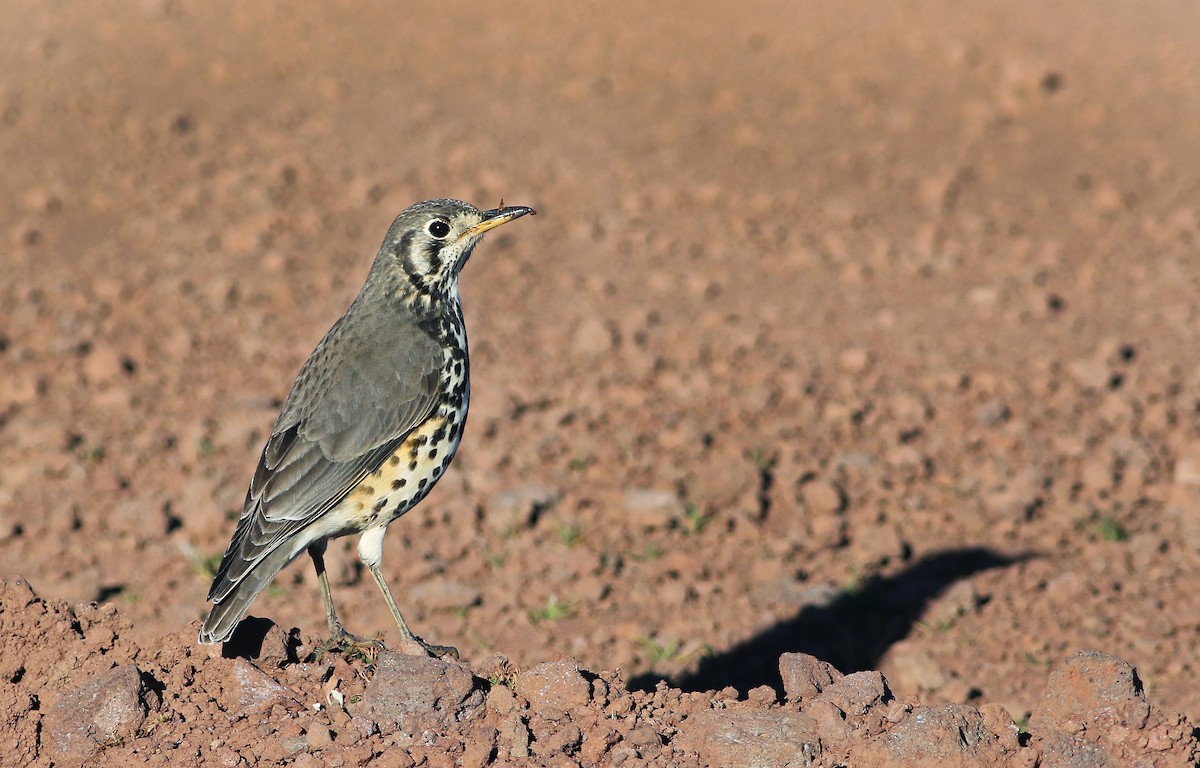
<point x="498" y="216"/>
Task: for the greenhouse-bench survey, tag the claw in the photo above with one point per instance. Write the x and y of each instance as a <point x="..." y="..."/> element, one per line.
<point x="415" y="646"/>
<point x="352" y="646"/>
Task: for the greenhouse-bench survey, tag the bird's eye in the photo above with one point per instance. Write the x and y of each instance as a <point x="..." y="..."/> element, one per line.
<point x="439" y="228"/>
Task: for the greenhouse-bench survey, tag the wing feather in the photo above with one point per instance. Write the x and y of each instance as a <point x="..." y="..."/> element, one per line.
<point x="357" y="397"/>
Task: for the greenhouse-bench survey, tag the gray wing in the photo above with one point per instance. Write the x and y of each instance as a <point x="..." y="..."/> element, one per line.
<point x="357" y="397"/>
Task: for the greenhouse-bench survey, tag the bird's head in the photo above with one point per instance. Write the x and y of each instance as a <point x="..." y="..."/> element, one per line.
<point x="428" y="243"/>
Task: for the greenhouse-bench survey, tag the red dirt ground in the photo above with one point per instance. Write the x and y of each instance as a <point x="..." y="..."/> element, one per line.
<point x="868" y="335"/>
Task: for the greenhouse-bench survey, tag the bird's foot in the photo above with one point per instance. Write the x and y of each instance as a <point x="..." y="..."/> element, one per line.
<point x="415" y="646"/>
<point x="352" y="646"/>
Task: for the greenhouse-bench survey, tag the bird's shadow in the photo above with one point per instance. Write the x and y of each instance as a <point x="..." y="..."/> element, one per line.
<point x="852" y="632"/>
<point x="250" y="639"/>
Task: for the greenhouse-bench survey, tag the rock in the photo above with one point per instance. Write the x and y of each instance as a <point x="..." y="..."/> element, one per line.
<point x="442" y="594"/>
<point x="823" y="497"/>
<point x="1089" y="374"/>
<point x="501" y="700"/>
<point x="108" y="707"/>
<point x="514" y="509"/>
<point x="761" y="696"/>
<point x="857" y="694"/>
<point x="566" y="738"/>
<point x="831" y="722"/>
<point x="949" y="732"/>
<point x="653" y="508"/>
<point x="513" y="738"/>
<point x="827" y="531"/>
<point x="253" y="689"/>
<point x="804" y="675"/>
<point x="293" y="743"/>
<point x="416" y="693"/>
<point x="554" y="685"/>
<point x="478" y="749"/>
<point x="992" y="413"/>
<point x="592" y="337"/>
<point x="597" y="741"/>
<point x="102" y="364"/>
<point x="1000" y="722"/>
<point x="750" y="739"/>
<point x="276" y="649"/>
<point x="911" y="668"/>
<point x="1091" y="691"/>
<point x="854" y="360"/>
<point x="881" y="543"/>
<point x="1187" y="467"/>
<point x="960" y="599"/>
<point x="317" y="736"/>
<point x="1063" y="750"/>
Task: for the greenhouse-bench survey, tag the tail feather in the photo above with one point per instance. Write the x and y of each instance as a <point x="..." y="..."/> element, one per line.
<point x="228" y="611"/>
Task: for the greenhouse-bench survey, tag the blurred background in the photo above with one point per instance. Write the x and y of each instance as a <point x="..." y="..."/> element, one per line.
<point x="868" y="331"/>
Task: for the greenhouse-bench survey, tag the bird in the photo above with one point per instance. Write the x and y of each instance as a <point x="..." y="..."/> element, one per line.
<point x="371" y="423"/>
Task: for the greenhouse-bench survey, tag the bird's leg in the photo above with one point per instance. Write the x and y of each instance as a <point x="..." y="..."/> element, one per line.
<point x="406" y="635"/>
<point x="371" y="553"/>
<point x="339" y="638"/>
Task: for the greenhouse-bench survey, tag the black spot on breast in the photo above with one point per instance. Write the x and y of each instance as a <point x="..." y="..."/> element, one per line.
<point x="423" y="483"/>
<point x="379" y="505"/>
<point x="398" y="483"/>
<point x="395" y="460"/>
<point x="433" y="453"/>
<point x="412" y="465"/>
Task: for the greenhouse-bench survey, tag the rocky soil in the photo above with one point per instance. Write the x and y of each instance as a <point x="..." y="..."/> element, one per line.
<point x="841" y="406"/>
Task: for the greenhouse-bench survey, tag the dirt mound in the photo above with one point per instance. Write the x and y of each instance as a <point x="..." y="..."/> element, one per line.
<point x="79" y="692"/>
